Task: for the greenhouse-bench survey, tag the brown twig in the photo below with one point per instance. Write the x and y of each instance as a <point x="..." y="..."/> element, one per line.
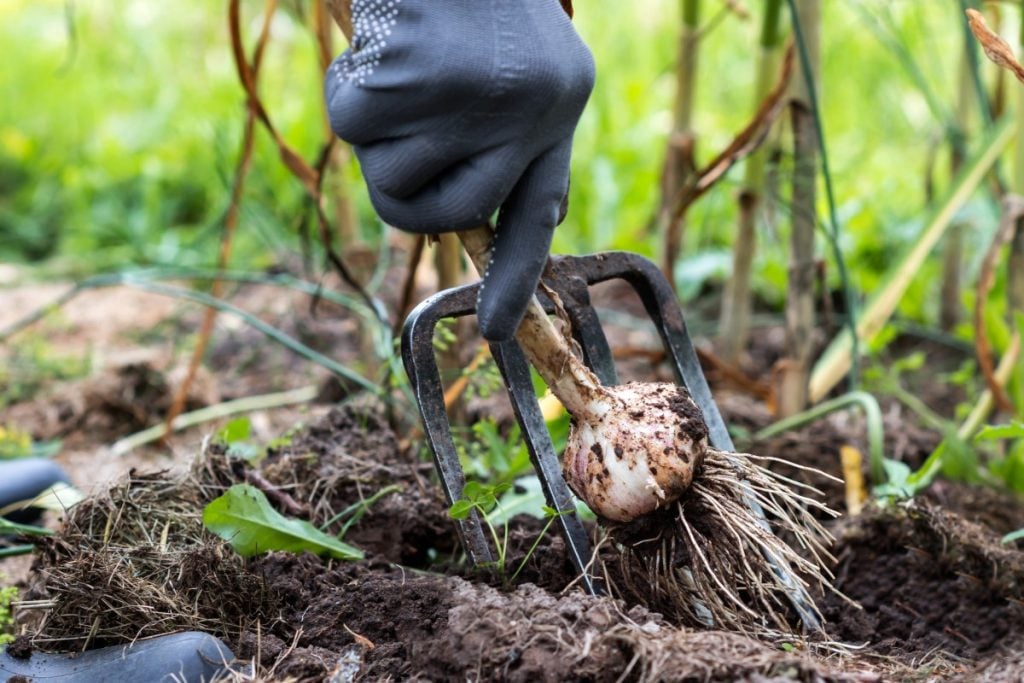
<point x="744" y="144"/>
<point x="409" y="285"/>
<point x="275" y="494"/>
<point x="1013" y="208"/>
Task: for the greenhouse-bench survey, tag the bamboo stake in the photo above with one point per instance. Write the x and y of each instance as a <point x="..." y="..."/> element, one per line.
<point x="796" y="366"/>
<point x="734" y="322"/>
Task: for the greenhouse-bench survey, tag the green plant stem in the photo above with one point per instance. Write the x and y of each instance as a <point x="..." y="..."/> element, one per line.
<point x="919" y="408"/>
<point x="679" y="155"/>
<point x="687" y="69"/>
<point x="838" y="357"/>
<point x="1015" y="265"/>
<point x="796" y="367"/>
<point x="533" y="548"/>
<point x="357" y="510"/>
<point x="832" y="235"/>
<point x="983" y="408"/>
<point x="9" y="527"/>
<point x="872" y="417"/>
<point x="16" y="550"/>
<point x="734" y="319"/>
<point x="247" y="404"/>
<point x="949" y="299"/>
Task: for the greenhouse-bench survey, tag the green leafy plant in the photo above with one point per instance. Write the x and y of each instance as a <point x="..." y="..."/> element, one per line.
<point x="8" y="595"/>
<point x="484" y="500"/>
<point x="244" y="518"/>
<point x="235" y="437"/>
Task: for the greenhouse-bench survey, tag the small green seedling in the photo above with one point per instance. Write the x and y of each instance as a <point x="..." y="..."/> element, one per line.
<point x="235" y="437"/>
<point x="484" y="499"/>
<point x="8" y="595"/>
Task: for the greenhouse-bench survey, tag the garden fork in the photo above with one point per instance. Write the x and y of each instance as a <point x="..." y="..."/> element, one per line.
<point x="570" y="278"/>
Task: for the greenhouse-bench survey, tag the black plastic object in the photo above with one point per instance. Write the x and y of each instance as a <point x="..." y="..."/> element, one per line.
<point x="570" y="277"/>
<point x="24" y="479"/>
<point x="189" y="657"/>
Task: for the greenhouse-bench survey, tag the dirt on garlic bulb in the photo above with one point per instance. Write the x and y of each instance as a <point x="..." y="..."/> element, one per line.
<point x="635" y="449"/>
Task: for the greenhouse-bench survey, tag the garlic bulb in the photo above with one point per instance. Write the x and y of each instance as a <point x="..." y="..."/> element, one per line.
<point x="634" y="448"/>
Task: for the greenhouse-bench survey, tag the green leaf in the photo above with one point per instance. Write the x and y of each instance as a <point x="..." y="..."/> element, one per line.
<point x="896" y="475"/>
<point x="235" y="431"/>
<point x="527" y="498"/>
<point x="244" y="518"/>
<point x="460" y="509"/>
<point x="1014" y="430"/>
<point x="473" y="491"/>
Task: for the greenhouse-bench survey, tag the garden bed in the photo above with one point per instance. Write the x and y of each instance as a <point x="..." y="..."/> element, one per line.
<point x="938" y="594"/>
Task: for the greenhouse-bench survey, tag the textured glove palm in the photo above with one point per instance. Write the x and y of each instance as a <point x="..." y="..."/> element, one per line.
<point x="459" y="108"/>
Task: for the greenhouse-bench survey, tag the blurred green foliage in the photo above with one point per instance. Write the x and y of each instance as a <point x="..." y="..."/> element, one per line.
<point x="120" y="123"/>
<point x="32" y="364"/>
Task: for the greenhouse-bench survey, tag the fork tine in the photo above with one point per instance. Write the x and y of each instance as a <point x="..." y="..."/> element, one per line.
<point x="421" y="367"/>
<point x="515" y="369"/>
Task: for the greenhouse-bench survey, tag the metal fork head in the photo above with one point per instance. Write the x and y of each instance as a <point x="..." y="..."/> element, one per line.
<point x="570" y="277"/>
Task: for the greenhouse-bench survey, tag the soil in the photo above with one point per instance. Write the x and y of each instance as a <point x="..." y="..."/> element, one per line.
<point x="930" y="591"/>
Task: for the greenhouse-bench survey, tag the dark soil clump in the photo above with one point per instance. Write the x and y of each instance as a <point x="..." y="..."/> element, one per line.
<point x="395" y="625"/>
<point x="347" y="458"/>
<point x="20" y="647"/>
<point x="928" y="582"/>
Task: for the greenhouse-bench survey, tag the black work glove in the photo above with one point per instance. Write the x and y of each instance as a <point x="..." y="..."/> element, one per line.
<point x="459" y="108"/>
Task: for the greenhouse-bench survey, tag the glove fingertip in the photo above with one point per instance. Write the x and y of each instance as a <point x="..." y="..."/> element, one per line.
<point x="499" y="315"/>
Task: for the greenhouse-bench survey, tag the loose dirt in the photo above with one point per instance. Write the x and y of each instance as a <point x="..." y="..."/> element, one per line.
<point x="938" y="596"/>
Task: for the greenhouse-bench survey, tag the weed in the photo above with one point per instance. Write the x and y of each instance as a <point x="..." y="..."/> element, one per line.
<point x="8" y="595"/>
<point x="483" y="499"/>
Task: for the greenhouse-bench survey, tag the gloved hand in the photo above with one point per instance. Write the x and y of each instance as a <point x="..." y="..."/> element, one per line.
<point x="459" y="108"/>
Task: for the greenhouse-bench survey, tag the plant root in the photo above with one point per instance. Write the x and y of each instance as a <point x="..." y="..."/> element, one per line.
<point x="707" y="560"/>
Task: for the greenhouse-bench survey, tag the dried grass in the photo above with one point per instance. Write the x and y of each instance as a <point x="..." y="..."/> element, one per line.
<point x="135" y="562"/>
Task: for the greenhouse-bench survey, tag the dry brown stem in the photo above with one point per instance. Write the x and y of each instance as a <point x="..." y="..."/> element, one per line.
<point x="1013" y="209"/>
<point x="996" y="49"/>
<point x="744" y="144"/>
